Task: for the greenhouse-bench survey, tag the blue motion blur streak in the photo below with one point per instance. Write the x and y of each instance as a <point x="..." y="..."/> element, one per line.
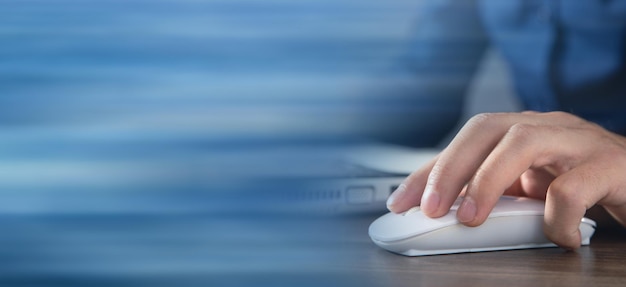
<point x="137" y="137"/>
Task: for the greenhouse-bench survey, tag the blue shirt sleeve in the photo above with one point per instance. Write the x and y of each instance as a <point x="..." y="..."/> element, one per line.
<point x="564" y="55"/>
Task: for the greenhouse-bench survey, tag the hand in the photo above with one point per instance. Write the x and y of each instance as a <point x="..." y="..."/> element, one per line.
<point x="570" y="163"/>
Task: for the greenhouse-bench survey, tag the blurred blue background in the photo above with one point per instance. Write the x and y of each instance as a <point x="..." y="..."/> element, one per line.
<point x="194" y="69"/>
<point x="139" y="140"/>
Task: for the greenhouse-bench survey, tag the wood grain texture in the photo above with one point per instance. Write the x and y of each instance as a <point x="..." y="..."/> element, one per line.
<point x="603" y="263"/>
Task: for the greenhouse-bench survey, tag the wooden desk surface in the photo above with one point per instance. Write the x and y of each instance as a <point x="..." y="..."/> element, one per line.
<point x="603" y="263"/>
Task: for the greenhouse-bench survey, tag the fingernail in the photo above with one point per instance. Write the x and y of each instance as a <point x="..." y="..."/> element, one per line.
<point x="395" y="194"/>
<point x="467" y="210"/>
<point x="430" y="201"/>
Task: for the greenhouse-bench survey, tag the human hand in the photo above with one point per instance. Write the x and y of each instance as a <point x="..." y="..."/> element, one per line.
<point x="570" y="163"/>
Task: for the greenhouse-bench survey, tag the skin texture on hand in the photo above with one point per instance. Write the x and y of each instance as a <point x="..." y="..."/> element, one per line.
<point x="570" y="163"/>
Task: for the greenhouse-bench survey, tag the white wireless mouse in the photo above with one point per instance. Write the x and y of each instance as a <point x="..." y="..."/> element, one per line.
<point x="514" y="223"/>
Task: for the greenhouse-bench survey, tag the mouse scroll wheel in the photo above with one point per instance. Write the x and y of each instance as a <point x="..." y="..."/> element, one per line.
<point x="412" y="210"/>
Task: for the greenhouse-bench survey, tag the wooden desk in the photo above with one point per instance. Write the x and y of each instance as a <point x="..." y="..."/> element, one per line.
<point x="603" y="263"/>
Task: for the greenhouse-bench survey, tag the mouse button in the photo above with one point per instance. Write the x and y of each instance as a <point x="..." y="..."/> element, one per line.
<point x="412" y="210"/>
<point x="498" y="233"/>
<point x="509" y="198"/>
<point x="392" y="227"/>
<point x="508" y="206"/>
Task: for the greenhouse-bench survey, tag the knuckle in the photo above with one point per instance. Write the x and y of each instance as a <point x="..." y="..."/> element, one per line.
<point x="526" y="134"/>
<point x="483" y="120"/>
<point x="564" y="191"/>
<point x="560" y="114"/>
<point x="568" y="193"/>
<point x="571" y="119"/>
<point x="522" y="131"/>
<point x="530" y="112"/>
<point x="523" y="135"/>
<point x="564" y="116"/>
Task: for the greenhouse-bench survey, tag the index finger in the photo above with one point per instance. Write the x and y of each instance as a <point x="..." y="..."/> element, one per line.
<point x="409" y="193"/>
<point x="461" y="160"/>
